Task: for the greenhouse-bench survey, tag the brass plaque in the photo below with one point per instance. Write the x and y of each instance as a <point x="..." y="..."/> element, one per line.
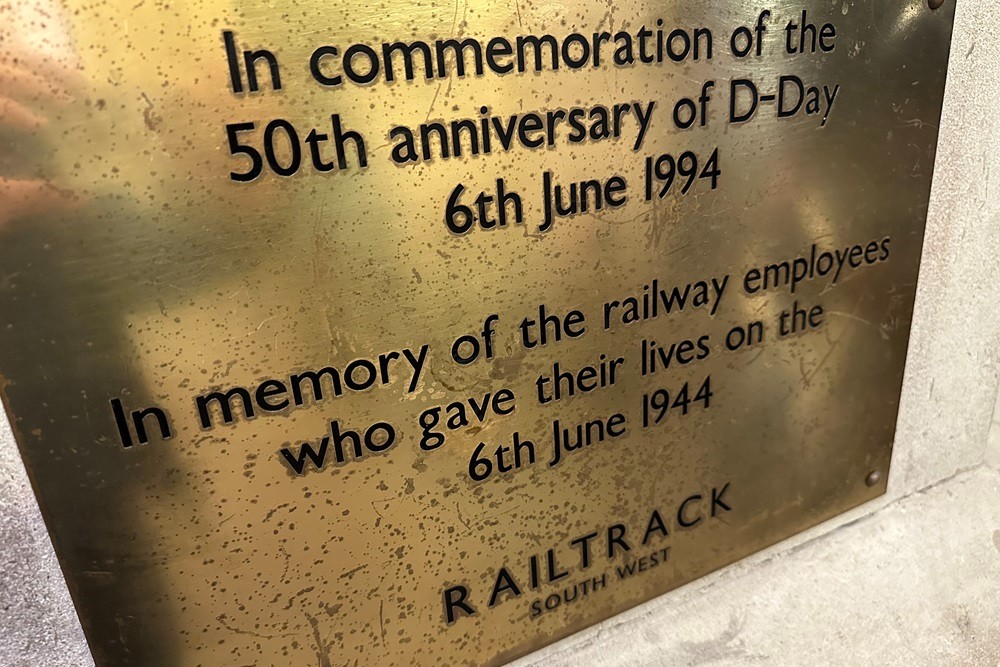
<point x="351" y="333"/>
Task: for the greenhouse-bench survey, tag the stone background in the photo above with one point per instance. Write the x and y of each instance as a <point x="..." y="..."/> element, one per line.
<point x="912" y="578"/>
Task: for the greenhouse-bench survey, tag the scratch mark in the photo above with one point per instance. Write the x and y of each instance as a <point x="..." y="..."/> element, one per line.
<point x="221" y="618"/>
<point x="260" y="325"/>
<point x="461" y="518"/>
<point x="850" y="316"/>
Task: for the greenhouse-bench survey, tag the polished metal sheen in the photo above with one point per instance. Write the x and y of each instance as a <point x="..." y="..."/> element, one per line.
<point x="139" y="268"/>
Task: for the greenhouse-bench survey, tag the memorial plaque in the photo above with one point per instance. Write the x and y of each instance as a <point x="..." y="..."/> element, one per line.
<point x="431" y="332"/>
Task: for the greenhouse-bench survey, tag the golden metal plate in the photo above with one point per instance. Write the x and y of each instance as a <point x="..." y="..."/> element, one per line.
<point x="137" y="274"/>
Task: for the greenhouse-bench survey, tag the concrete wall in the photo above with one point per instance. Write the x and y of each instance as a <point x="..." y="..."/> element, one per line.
<point x="912" y="578"/>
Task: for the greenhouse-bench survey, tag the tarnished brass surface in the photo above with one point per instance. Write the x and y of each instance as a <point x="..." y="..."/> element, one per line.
<point x="132" y="267"/>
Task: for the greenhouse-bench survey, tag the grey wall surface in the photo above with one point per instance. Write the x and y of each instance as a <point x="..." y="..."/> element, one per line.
<point x="38" y="624"/>
<point x="912" y="578"/>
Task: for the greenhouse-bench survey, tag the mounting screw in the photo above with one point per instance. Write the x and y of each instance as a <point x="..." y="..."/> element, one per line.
<point x="874" y="477"/>
<point x="934" y="4"/>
